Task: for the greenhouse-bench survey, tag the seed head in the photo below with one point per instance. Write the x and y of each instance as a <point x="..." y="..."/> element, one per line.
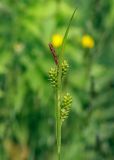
<point x="65" y="67"/>
<point x="66" y="106"/>
<point x="53" y="77"/>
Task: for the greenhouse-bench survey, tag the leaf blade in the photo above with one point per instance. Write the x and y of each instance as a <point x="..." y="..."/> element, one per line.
<point x="66" y="34"/>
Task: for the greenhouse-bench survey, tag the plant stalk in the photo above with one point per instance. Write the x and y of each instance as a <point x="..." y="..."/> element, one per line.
<point x="59" y="91"/>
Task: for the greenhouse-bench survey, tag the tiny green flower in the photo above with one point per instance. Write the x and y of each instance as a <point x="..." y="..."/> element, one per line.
<point x="66" y="106"/>
<point x="65" y="67"/>
<point x="53" y="77"/>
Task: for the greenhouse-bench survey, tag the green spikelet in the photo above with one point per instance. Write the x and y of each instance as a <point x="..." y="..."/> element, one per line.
<point x="53" y="77"/>
<point x="65" y="67"/>
<point x="66" y="106"/>
<point x="53" y="73"/>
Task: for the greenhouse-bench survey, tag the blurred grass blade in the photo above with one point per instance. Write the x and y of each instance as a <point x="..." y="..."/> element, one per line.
<point x="66" y="33"/>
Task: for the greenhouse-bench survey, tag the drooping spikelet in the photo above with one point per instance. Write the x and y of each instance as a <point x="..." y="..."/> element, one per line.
<point x="53" y="77"/>
<point x="66" y="106"/>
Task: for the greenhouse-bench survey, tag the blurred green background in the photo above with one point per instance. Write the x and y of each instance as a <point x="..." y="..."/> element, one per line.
<point x="27" y="124"/>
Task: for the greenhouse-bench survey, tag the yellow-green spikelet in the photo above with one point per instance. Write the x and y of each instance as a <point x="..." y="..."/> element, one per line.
<point x="66" y="106"/>
<point x="53" y="77"/>
<point x="53" y="73"/>
<point x="65" y="67"/>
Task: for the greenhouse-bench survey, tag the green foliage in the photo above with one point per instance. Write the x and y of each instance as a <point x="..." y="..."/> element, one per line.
<point x="26" y="103"/>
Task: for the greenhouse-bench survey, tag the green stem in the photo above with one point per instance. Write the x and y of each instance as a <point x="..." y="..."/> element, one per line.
<point x="58" y="118"/>
<point x="59" y="92"/>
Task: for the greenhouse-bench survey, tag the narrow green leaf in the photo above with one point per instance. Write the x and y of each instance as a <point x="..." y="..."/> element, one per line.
<point x="66" y="33"/>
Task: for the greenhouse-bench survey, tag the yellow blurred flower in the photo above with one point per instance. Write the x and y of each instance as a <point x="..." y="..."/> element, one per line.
<point x="57" y="40"/>
<point x="88" y="41"/>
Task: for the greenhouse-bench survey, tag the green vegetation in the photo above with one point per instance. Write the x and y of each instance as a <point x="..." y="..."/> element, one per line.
<point x="27" y="122"/>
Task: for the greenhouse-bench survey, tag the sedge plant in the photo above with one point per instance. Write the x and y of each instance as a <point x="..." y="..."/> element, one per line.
<point x="56" y="76"/>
